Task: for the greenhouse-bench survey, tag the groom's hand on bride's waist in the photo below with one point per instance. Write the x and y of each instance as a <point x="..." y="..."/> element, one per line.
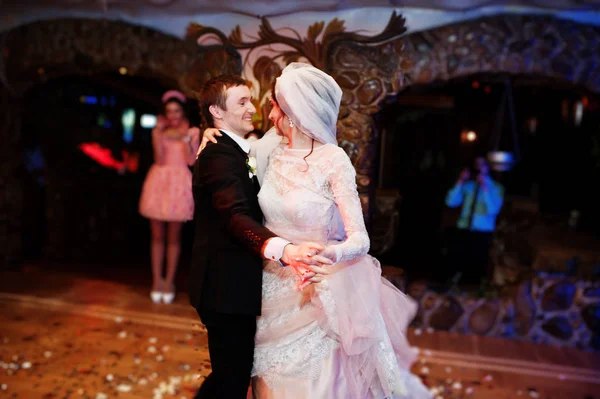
<point x="301" y="258"/>
<point x="314" y="274"/>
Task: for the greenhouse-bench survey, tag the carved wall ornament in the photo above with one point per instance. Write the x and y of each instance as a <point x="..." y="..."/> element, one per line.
<point x="370" y="69"/>
<point x="320" y="48"/>
<point x="315" y="46"/>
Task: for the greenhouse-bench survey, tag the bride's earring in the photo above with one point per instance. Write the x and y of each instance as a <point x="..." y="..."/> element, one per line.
<point x="291" y="123"/>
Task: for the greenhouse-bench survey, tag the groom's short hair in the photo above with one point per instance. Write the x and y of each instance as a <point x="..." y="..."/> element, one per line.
<point x="214" y="92"/>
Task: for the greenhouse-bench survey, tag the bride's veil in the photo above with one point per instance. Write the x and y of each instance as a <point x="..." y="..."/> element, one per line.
<point x="311" y="99"/>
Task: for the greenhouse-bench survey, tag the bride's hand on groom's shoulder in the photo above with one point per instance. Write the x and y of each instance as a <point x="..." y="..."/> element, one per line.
<point x="209" y="135"/>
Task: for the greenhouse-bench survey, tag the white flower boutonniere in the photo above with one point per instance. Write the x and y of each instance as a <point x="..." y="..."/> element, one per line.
<point x="251" y="165"/>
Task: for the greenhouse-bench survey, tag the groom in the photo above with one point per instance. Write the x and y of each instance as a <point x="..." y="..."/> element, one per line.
<point x="226" y="269"/>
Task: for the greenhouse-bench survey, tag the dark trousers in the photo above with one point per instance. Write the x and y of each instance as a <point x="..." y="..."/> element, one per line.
<point x="231" y="348"/>
<point x="469" y="254"/>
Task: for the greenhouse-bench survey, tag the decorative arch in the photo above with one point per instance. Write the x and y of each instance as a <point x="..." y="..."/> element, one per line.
<point x="44" y="50"/>
<point x="516" y="44"/>
<point x="369" y="69"/>
<point x="319" y="47"/>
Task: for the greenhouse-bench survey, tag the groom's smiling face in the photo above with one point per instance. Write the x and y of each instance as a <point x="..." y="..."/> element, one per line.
<point x="238" y="112"/>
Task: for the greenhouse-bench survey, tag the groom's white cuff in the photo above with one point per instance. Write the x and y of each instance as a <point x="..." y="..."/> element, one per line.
<point x="274" y="248"/>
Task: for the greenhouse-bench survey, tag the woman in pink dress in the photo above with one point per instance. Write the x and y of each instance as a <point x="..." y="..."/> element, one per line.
<point x="167" y="192"/>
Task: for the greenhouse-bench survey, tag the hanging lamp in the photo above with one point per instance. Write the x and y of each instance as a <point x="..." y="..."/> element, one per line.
<point x="503" y="160"/>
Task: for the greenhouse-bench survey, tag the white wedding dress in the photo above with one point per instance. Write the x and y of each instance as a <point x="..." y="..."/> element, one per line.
<point x="345" y="337"/>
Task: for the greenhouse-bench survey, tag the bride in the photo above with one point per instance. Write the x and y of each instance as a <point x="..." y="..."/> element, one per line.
<point x="344" y="337"/>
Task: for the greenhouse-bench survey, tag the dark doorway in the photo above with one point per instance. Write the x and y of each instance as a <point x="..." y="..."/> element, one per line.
<point x="87" y="147"/>
<point x="425" y="145"/>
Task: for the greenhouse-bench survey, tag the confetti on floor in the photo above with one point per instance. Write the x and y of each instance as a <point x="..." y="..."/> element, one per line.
<point x="55" y="354"/>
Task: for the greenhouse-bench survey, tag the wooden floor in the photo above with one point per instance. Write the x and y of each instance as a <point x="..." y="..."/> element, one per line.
<point x="94" y="335"/>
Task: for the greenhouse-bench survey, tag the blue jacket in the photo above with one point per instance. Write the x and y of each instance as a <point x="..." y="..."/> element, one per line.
<point x="487" y="205"/>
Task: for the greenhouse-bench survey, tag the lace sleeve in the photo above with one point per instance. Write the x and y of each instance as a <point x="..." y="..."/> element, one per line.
<point x="342" y="180"/>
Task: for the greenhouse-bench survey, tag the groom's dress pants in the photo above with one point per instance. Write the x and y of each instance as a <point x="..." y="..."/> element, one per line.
<point x="231" y="348"/>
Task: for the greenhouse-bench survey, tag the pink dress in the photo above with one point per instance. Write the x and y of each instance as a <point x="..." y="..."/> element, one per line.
<point x="167" y="191"/>
<point x="345" y="337"/>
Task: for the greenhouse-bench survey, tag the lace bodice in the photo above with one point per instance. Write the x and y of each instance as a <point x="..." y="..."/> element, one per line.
<point x="299" y="199"/>
<point x="304" y="338"/>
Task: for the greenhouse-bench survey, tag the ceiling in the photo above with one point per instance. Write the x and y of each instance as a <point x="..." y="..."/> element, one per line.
<point x="271" y="7"/>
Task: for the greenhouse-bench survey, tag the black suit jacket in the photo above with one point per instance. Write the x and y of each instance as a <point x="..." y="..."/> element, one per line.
<point x="226" y="268"/>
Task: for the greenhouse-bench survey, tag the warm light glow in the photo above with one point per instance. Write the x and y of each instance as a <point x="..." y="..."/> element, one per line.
<point x="128" y="118"/>
<point x="585" y="102"/>
<point x="123" y="71"/>
<point x="578" y="113"/>
<point x="532" y="124"/>
<point x="487" y="89"/>
<point x="148" y="121"/>
<point x="41" y="71"/>
<point x="468" y="136"/>
<point x="501" y="161"/>
<point x="104" y="157"/>
<point x="101" y="155"/>
<point x="128" y="122"/>
<point x="475" y="84"/>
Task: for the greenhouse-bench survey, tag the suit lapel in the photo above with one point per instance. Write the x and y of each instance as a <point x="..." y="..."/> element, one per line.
<point x="256" y="183"/>
<point x="229" y="141"/>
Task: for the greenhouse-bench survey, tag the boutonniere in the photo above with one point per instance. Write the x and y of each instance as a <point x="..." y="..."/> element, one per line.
<point x="251" y="165"/>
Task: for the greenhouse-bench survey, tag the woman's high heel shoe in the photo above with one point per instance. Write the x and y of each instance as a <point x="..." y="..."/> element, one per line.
<point x="156" y="296"/>
<point x="168" y="297"/>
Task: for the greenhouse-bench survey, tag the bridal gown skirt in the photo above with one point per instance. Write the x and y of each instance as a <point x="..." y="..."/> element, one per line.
<point x="341" y="339"/>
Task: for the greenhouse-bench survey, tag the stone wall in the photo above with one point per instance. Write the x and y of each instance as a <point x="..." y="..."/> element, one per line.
<point x="555" y="310"/>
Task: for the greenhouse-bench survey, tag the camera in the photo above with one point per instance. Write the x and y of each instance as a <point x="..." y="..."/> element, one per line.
<point x="474" y="172"/>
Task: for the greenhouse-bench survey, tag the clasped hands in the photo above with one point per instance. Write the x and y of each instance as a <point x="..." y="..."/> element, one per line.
<point x="310" y="261"/>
